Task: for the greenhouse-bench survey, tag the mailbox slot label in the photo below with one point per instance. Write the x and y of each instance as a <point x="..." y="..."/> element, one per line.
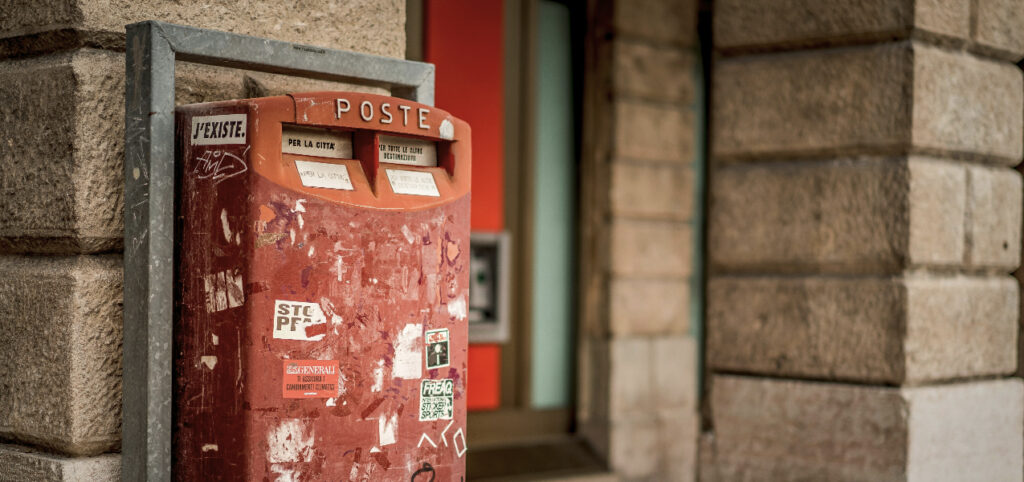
<point x="305" y="141"/>
<point x="417" y="183"/>
<point x="407" y="151"/>
<point x="322" y="174"/>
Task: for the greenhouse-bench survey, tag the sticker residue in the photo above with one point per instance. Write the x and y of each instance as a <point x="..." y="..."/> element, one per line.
<point x="408" y="362"/>
<point x="290" y="442"/>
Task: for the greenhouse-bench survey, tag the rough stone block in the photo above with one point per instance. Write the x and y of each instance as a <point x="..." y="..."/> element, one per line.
<point x="673" y="21"/>
<point x="774" y="24"/>
<point x="649" y="306"/>
<point x="790" y="430"/>
<point x="767" y="23"/>
<point x="958" y="327"/>
<point x="653" y="132"/>
<point x="634" y="448"/>
<point x="371" y="26"/>
<point x="651" y="248"/>
<point x="60" y="364"/>
<point x="631" y="386"/>
<point x="887" y="98"/>
<point x="994" y="226"/>
<point x="647" y="190"/>
<point x="998" y="27"/>
<point x="653" y="71"/>
<point x="675" y="372"/>
<point x="839" y="216"/>
<point x="19" y="464"/>
<point x="937" y="206"/>
<point x="880" y="330"/>
<point x="62" y="144"/>
<point x="677" y="437"/>
<point x="808" y="103"/>
<point x="966" y="105"/>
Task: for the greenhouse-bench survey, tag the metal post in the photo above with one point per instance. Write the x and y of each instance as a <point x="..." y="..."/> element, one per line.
<point x="152" y="48"/>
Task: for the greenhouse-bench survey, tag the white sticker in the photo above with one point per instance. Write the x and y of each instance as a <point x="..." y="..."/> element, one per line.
<point x="298" y="320"/>
<point x="316" y="142"/>
<point x="412" y="182"/>
<point x="218" y="129"/>
<point x="322" y="174"/>
<point x="408" y="151"/>
<point x="437" y="399"/>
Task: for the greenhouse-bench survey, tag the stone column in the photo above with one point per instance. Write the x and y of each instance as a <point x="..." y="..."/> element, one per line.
<point x="61" y="201"/>
<point x="638" y="351"/>
<point x="864" y="219"/>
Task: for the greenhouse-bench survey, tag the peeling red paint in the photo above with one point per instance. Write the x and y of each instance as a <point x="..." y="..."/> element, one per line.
<point x="366" y="277"/>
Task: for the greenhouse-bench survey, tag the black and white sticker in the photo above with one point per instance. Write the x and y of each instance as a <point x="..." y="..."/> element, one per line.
<point x="218" y="129"/>
<point x="437" y="400"/>
<point x="437" y="348"/>
<point x="299" y="320"/>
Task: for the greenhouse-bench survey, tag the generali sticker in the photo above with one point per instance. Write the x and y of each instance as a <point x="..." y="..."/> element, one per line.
<point x="310" y="379"/>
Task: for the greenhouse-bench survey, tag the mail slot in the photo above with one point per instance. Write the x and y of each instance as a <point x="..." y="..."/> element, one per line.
<point x="323" y="277"/>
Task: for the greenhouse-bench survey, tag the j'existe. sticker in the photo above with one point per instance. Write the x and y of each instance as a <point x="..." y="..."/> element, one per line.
<point x="437" y="399"/>
<point x="437" y="348"/>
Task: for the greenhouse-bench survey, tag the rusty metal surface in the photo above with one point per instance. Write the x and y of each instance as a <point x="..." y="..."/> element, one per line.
<point x="152" y="48"/>
<point x="313" y="320"/>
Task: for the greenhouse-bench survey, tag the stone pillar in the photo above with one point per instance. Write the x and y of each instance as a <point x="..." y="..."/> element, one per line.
<point x="638" y="352"/>
<point x="61" y="201"/>
<point x="864" y="219"/>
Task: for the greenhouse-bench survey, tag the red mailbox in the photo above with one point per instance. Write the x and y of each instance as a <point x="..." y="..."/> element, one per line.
<point x="323" y="270"/>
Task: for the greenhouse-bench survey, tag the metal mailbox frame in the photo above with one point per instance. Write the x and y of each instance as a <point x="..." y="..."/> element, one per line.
<point x="149" y="237"/>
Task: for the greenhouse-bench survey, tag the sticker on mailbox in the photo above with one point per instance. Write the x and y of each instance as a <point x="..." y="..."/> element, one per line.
<point x="298" y="320"/>
<point x="322" y="174"/>
<point x="310" y="379"/>
<point x="218" y="129"/>
<point x="437" y="348"/>
<point x="417" y="183"/>
<point x="437" y="399"/>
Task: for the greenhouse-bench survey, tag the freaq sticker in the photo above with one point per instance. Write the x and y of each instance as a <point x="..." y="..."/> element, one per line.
<point x="437" y="399"/>
<point x="437" y="348"/>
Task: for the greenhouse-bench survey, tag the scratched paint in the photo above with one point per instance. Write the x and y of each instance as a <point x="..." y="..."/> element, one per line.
<point x="363" y="275"/>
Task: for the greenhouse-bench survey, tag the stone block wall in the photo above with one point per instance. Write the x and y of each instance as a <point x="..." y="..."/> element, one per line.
<point x="639" y="228"/>
<point x="61" y="200"/>
<point x="864" y="219"/>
